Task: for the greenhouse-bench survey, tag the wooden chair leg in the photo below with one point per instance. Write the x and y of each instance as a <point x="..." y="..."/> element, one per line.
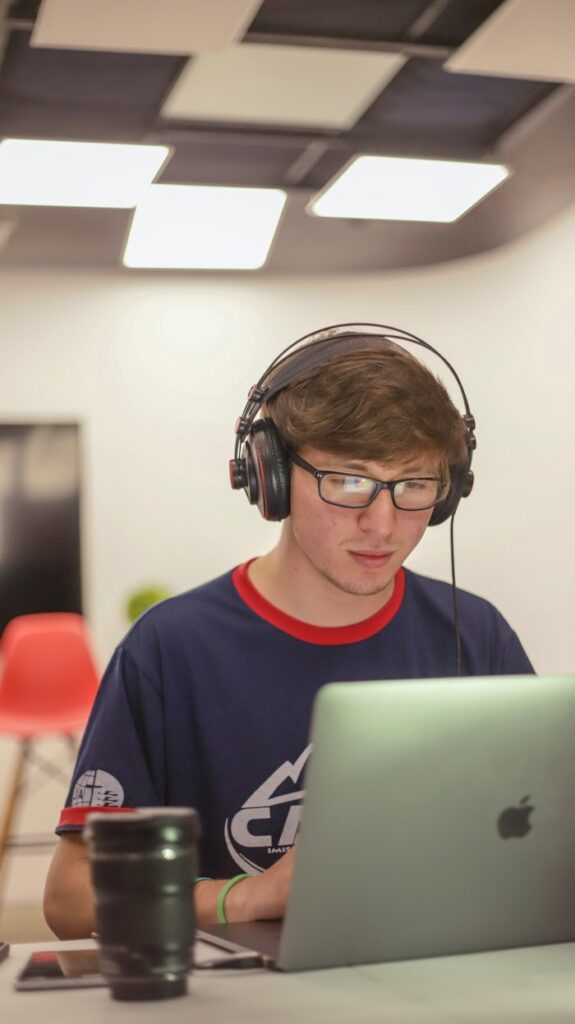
<point x="12" y="799"/>
<point x="73" y="744"/>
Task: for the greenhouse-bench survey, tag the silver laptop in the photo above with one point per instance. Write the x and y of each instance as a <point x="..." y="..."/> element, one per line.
<point x="439" y="818"/>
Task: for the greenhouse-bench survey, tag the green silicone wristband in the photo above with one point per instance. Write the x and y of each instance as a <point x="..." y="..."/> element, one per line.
<point x="223" y="893"/>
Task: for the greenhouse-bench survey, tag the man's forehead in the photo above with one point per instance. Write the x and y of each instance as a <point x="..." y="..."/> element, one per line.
<point x="417" y="464"/>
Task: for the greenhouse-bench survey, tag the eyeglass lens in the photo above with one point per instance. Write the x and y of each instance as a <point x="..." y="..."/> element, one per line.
<point x="357" y="491"/>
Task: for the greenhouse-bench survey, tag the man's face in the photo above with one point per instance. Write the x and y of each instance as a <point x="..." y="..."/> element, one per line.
<point x="357" y="550"/>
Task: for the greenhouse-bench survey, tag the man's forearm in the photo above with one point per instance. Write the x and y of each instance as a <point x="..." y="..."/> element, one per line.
<point x="257" y="898"/>
<point x="237" y="907"/>
<point x="69" y="910"/>
<point x="69" y="904"/>
<point x="68" y="895"/>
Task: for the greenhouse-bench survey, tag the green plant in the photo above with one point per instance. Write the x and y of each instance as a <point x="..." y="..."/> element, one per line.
<point x="144" y="598"/>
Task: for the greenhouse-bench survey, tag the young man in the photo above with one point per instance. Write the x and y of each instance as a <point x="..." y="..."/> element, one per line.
<point x="207" y="701"/>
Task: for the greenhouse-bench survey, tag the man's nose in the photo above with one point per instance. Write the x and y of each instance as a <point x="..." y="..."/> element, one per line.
<point x="380" y="515"/>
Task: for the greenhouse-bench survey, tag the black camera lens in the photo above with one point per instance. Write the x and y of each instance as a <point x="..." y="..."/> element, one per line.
<point x="143" y="865"/>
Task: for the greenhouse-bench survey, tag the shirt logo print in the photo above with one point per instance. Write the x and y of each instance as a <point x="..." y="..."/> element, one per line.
<point x="269" y="819"/>
<point x="97" y="788"/>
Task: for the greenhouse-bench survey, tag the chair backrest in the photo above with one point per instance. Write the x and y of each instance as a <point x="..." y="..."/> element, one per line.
<point x="47" y="665"/>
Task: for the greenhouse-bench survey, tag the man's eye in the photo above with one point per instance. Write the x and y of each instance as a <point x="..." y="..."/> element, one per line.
<point x="355" y="483"/>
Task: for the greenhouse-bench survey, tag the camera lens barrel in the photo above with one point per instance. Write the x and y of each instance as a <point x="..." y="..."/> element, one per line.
<point x="144" y="864"/>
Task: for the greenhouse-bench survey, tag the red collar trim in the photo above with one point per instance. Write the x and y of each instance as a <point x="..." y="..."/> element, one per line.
<point x="326" y="635"/>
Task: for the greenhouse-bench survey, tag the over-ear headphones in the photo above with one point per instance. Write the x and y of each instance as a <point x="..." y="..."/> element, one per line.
<point x="261" y="464"/>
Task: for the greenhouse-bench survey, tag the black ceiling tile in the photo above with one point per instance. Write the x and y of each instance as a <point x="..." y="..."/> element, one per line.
<point x="45" y="122"/>
<point x="230" y="163"/>
<point x="125" y="83"/>
<point x="427" y="103"/>
<point x="360" y="19"/>
<point x="326" y="168"/>
<point x="23" y="10"/>
<point x="457" y="21"/>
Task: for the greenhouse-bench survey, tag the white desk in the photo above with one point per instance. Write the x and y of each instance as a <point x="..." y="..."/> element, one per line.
<point x="527" y="986"/>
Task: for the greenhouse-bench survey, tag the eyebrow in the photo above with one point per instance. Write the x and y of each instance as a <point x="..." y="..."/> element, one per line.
<point x="411" y="471"/>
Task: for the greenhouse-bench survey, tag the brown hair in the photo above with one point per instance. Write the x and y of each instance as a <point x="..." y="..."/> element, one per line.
<point x="374" y="403"/>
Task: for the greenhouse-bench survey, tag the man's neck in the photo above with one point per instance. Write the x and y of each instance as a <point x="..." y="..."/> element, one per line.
<point x="295" y="588"/>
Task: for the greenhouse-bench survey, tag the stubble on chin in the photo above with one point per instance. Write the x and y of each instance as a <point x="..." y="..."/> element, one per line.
<point x="363" y="588"/>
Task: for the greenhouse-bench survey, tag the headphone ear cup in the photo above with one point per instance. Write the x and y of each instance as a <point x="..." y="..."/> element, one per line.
<point x="268" y="472"/>
<point x="461" y="487"/>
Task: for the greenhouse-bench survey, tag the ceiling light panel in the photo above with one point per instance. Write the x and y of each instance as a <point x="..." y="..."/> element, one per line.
<point x="142" y="26"/>
<point x="522" y="39"/>
<point x="184" y="227"/>
<point x="393" y="188"/>
<point x="43" y="173"/>
<point x="281" y="85"/>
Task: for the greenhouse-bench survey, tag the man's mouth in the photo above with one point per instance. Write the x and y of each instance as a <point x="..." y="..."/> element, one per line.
<point x="372" y="559"/>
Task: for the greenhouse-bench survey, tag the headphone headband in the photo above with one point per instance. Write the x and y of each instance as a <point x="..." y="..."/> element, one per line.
<point x="313" y="349"/>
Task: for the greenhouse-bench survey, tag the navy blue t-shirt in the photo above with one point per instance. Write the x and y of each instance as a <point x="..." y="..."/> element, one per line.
<point x="207" y="703"/>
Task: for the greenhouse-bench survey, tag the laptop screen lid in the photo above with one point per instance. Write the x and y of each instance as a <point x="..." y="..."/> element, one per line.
<point x="439" y="818"/>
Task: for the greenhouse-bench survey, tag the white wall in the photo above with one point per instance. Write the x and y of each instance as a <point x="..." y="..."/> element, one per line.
<point x="157" y="367"/>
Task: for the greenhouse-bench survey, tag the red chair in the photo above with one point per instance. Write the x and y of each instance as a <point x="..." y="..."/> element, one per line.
<point x="48" y="681"/>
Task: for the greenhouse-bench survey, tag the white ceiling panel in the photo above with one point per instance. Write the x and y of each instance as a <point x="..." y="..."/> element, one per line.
<point x="522" y="39"/>
<point x="142" y="26"/>
<point x="281" y="85"/>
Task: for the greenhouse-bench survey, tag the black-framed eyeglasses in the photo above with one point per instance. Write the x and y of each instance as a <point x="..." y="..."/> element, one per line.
<point x="350" y="491"/>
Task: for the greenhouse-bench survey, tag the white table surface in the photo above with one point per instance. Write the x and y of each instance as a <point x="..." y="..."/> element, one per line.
<point x="525" y="986"/>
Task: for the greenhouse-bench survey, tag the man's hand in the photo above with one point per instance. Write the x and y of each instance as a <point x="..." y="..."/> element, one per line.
<point x="261" y="898"/>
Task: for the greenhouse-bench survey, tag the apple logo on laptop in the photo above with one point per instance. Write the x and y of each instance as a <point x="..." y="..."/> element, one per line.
<point x="513" y="822"/>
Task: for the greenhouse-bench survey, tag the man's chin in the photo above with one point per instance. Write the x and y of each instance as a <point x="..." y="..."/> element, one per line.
<point x="362" y="587"/>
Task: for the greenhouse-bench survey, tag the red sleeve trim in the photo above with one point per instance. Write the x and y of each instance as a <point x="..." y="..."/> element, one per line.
<point x="76" y="816"/>
<point x="325" y="635"/>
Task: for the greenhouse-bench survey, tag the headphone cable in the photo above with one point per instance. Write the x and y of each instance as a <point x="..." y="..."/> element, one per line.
<point x="454" y="594"/>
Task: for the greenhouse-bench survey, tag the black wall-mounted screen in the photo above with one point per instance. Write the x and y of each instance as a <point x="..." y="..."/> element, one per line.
<point x="40" y="560"/>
